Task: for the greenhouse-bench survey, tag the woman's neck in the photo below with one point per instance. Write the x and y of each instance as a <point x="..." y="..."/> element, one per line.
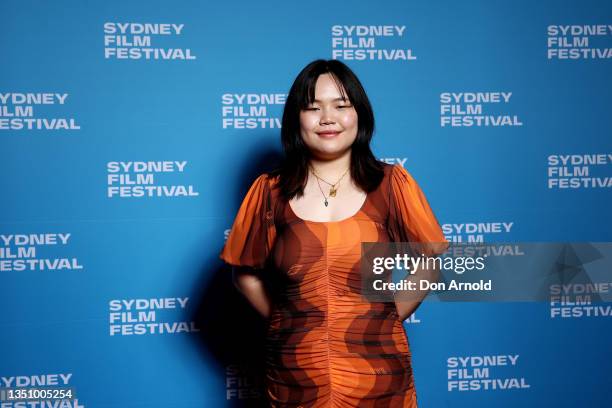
<point x="331" y="169"/>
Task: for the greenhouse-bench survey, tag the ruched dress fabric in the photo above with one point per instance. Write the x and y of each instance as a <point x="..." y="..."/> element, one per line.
<point x="326" y="346"/>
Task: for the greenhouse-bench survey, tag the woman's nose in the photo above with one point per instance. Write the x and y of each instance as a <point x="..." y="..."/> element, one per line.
<point x="326" y="116"/>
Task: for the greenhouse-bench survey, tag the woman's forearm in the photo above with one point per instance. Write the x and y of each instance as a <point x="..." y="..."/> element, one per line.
<point x="407" y="302"/>
<point x="406" y="309"/>
<point x="252" y="287"/>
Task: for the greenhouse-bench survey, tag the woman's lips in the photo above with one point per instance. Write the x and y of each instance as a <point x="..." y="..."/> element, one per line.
<point x="328" y="133"/>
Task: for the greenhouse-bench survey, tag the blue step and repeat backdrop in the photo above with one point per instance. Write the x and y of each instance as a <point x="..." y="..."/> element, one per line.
<point x="130" y="131"/>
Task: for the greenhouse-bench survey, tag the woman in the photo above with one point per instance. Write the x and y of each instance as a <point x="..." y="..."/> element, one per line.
<point x="300" y="227"/>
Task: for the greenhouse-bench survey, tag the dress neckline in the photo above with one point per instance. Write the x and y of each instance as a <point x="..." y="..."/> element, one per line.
<point x="331" y="222"/>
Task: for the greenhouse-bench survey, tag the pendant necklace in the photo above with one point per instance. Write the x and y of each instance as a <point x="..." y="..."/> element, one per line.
<point x="325" y="201"/>
<point x="332" y="190"/>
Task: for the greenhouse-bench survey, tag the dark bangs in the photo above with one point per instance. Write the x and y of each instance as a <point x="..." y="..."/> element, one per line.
<point x="306" y="96"/>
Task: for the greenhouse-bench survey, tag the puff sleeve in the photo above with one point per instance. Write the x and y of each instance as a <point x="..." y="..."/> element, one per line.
<point x="253" y="232"/>
<point x="410" y="216"/>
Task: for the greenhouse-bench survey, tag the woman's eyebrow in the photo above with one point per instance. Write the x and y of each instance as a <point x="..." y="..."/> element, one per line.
<point x="333" y="100"/>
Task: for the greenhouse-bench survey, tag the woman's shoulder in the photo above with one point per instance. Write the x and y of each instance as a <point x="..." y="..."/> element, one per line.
<point x="393" y="170"/>
<point x="397" y="171"/>
<point x="267" y="183"/>
<point x="270" y="177"/>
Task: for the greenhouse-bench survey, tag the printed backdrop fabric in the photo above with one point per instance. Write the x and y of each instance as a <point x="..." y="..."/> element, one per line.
<point x="130" y="131"/>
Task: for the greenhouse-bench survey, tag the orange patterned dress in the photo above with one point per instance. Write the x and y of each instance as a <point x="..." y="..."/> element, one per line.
<point x="326" y="346"/>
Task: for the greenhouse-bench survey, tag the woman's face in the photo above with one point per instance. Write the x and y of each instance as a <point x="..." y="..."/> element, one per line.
<point x="329" y="125"/>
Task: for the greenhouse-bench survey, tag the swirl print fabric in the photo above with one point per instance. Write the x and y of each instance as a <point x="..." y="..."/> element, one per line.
<point x="326" y="346"/>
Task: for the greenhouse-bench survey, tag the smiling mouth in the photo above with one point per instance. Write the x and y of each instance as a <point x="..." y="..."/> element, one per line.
<point x="328" y="134"/>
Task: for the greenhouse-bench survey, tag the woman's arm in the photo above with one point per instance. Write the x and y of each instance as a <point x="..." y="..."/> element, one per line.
<point x="407" y="302"/>
<point x="252" y="287"/>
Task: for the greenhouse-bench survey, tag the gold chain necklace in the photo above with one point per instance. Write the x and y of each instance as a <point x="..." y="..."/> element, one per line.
<point x="332" y="189"/>
<point x="325" y="198"/>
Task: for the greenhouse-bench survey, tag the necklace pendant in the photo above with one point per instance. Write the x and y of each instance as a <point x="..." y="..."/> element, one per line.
<point x="326" y="202"/>
<point x="332" y="192"/>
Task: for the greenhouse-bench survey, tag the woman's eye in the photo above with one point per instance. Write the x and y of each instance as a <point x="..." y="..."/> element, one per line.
<point x="337" y="107"/>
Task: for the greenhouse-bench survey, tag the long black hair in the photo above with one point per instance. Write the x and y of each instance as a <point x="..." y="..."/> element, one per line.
<point x="366" y="170"/>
